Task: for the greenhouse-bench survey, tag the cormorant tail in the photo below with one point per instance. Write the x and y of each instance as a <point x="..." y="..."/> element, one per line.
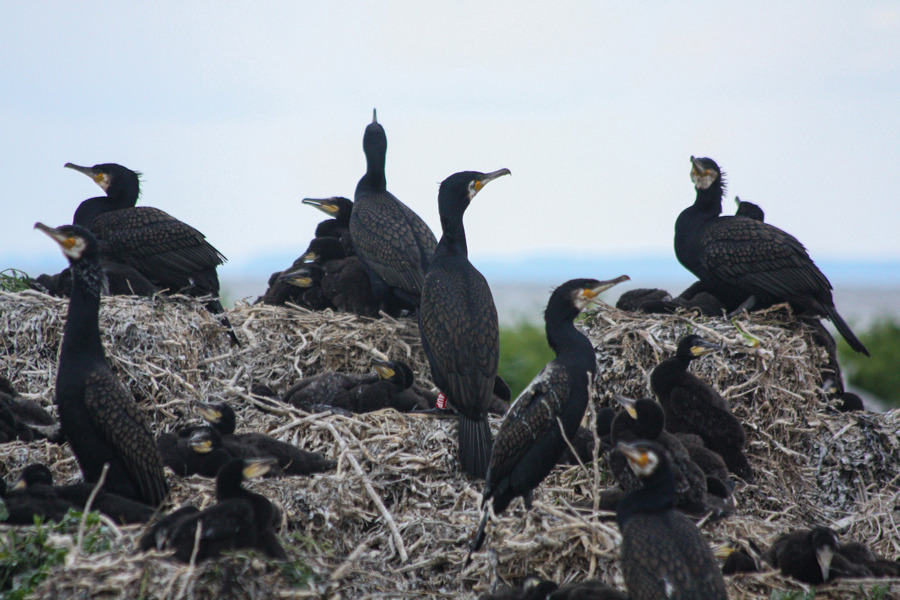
<point x="474" y="445"/>
<point x="844" y="329"/>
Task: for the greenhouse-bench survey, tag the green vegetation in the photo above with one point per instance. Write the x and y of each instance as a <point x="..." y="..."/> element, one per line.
<point x="792" y="595"/>
<point x="14" y="280"/>
<point x="29" y="554"/>
<point x="879" y="374"/>
<point x="523" y="353"/>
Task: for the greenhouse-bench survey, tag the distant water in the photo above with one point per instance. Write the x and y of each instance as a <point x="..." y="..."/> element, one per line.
<point x="525" y="302"/>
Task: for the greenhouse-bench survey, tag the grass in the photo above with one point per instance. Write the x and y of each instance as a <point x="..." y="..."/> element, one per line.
<point x="14" y="280"/>
<point x="523" y="353"/>
<point x="879" y="374"/>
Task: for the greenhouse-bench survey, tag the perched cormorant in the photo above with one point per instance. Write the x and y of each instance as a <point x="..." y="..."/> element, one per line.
<point x="663" y="553"/>
<point x="749" y="263"/>
<point x="239" y="519"/>
<point x="813" y="556"/>
<point x="749" y="210"/>
<point x="168" y="253"/>
<point x="120" y="509"/>
<point x="290" y="460"/>
<point x="97" y="414"/>
<point x="391" y="240"/>
<point x="692" y="406"/>
<point x="338" y="226"/>
<point x="458" y="323"/>
<point x="644" y="419"/>
<point x="530" y="440"/>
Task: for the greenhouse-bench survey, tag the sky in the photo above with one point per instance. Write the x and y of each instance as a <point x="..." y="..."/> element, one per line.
<point x="235" y="111"/>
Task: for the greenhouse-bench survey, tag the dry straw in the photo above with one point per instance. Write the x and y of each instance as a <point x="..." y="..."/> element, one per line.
<point x="395" y="517"/>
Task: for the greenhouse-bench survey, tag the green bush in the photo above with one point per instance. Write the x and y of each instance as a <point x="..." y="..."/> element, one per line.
<point x="879" y="374"/>
<point x="523" y="353"/>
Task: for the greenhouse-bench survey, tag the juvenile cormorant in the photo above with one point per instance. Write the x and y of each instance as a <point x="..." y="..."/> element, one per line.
<point x="120" y="509"/>
<point x="458" y="323"/>
<point x="587" y="590"/>
<point x="308" y="278"/>
<point x="23" y="506"/>
<point x="290" y="460"/>
<point x="739" y="557"/>
<point x="316" y="391"/>
<point x="530" y="440"/>
<point x="338" y="226"/>
<point x="158" y="534"/>
<point x="859" y="553"/>
<point x="663" y="553"/>
<point x="749" y="210"/>
<point x="749" y="263"/>
<point x="168" y="253"/>
<point x="391" y="240"/>
<point x="199" y="451"/>
<point x="813" y="556"/>
<point x="239" y="519"/>
<point x="97" y="414"/>
<point x="394" y="378"/>
<point x="692" y="406"/>
<point x="21" y="418"/>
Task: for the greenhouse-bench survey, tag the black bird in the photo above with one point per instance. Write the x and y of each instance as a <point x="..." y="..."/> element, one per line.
<point x="97" y="414"/>
<point x="644" y="419"/>
<point x="290" y="460"/>
<point x="859" y="553"/>
<point x="314" y="393"/>
<point x="749" y="263"/>
<point x="281" y="290"/>
<point x="199" y="451"/>
<point x="21" y="418"/>
<point x="692" y="406"/>
<point x="308" y="278"/>
<point x="587" y="590"/>
<point x="749" y="210"/>
<point x="813" y="556"/>
<point x="391" y="240"/>
<point x="394" y="378"/>
<point x="24" y="506"/>
<point x="239" y="519"/>
<point x="663" y="553"/>
<point x="739" y="557"/>
<point x="120" y="509"/>
<point x="530" y="440"/>
<point x="158" y="534"/>
<point x="338" y="226"/>
<point x="710" y="462"/>
<point x="531" y="588"/>
<point x="458" y="323"/>
<point x="168" y="253"/>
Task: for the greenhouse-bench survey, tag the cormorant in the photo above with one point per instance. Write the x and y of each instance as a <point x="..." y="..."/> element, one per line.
<point x="530" y="440"/>
<point x="168" y="253"/>
<point x="37" y="476"/>
<point x="531" y="588"/>
<point x="24" y="506"/>
<point x="338" y="226"/>
<point x="859" y="553"/>
<point x="308" y="278"/>
<point x="199" y="451"/>
<point x="749" y="263"/>
<point x="692" y="406"/>
<point x="394" y="378"/>
<point x="458" y="323"/>
<point x="97" y="414"/>
<point x="290" y="460"/>
<point x="663" y="553"/>
<point x="21" y="418"/>
<point x="644" y="419"/>
<point x="749" y="210"/>
<point x="157" y="535"/>
<point x="587" y="590"/>
<point x="239" y="519"/>
<point x="813" y="556"/>
<point x="718" y="481"/>
<point x="315" y="392"/>
<point x="739" y="557"/>
<point x="391" y="240"/>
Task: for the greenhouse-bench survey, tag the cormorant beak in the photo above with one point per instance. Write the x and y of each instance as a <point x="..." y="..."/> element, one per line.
<point x="489" y="177"/>
<point x="592" y="293"/>
<point x="628" y="405"/>
<point x="72" y="246"/>
<point x="324" y="205"/>
<point x="635" y="455"/>
<point x="200" y="443"/>
<point x="258" y="467"/>
<point x="384" y="370"/>
<point x="697" y="166"/>
<point x="208" y="412"/>
<point x="823" y="557"/>
<point x="702" y="347"/>
<point x="374" y="116"/>
<point x="295" y="278"/>
<point x="723" y="551"/>
<point x="310" y="257"/>
<point x="737" y="201"/>
<point x="20" y="484"/>
<point x="100" y="178"/>
<point x="829" y="387"/>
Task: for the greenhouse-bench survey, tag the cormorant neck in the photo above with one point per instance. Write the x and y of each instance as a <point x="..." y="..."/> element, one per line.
<point x="657" y="494"/>
<point x="569" y="343"/>
<point x="92" y="208"/>
<point x="453" y="238"/>
<point x="229" y="479"/>
<point x="374" y="179"/>
<point x="82" y="331"/>
<point x="710" y="200"/>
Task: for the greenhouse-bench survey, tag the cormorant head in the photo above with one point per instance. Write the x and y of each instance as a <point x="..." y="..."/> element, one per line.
<point x="306" y="276"/>
<point x="375" y="139"/>
<point x="257" y="467"/>
<point x="628" y="404"/>
<point x="112" y="178"/>
<point x="336" y="207"/>
<point x="644" y="457"/>
<point x="577" y="294"/>
<point x="397" y="372"/>
<point x="323" y="249"/>
<point x="705" y="172"/>
<point x="457" y="191"/>
<point x="204" y="440"/>
<point x="824" y="542"/>
<point x="693" y="346"/>
<point x="749" y="210"/>
<point x="34" y="474"/>
<point x="76" y="242"/>
<point x="219" y="415"/>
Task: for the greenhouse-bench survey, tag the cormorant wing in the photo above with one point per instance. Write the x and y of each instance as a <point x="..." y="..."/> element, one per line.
<point x="755" y="255"/>
<point x="529" y="418"/>
<point x="157" y="243"/>
<point x="120" y="421"/>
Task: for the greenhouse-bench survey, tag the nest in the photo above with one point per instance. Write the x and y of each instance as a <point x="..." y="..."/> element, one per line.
<point x="395" y="518"/>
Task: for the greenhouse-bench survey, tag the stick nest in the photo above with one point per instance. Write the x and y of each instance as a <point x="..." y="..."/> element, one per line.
<point x="396" y="516"/>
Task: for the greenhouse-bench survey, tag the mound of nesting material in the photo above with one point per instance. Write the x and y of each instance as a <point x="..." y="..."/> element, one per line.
<point x="395" y="517"/>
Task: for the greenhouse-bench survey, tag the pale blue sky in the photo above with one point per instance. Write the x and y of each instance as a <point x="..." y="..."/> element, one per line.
<point x="235" y="111"/>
